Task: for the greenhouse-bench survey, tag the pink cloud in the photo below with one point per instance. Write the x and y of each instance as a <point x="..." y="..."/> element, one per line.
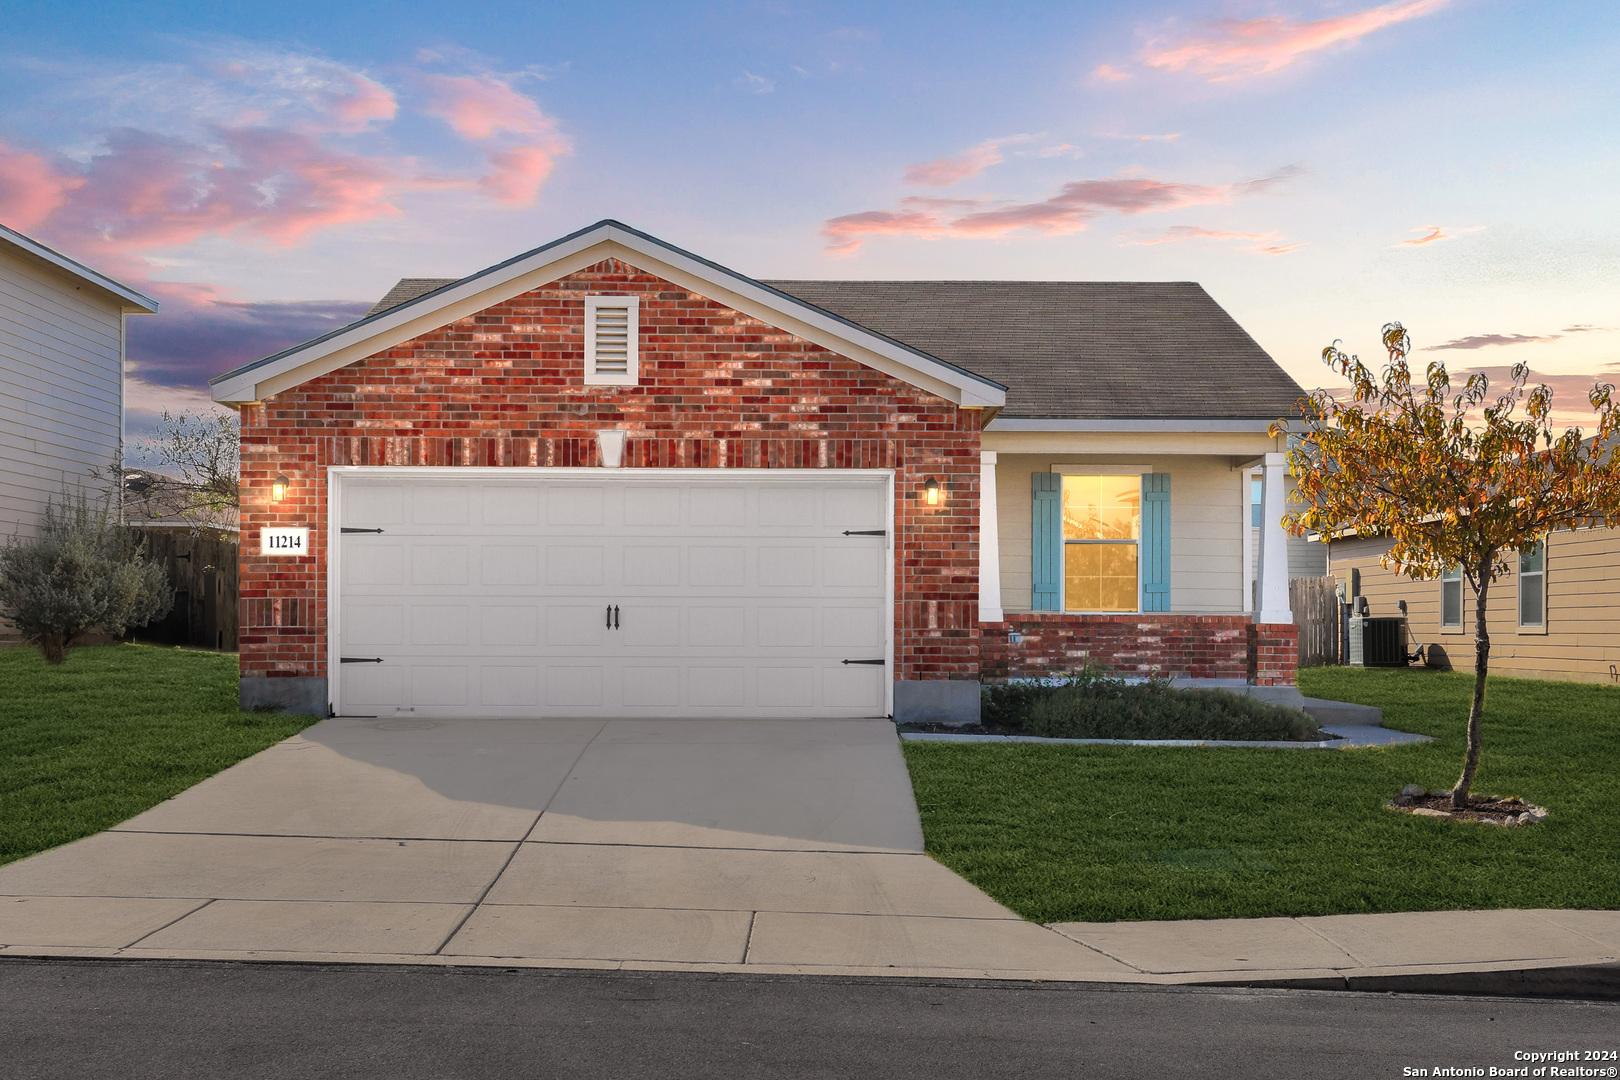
<point x="30" y="189"/>
<point x="1109" y="73"/>
<point x="1263" y="243"/>
<point x="480" y="108"/>
<point x="306" y="93"/>
<point x="946" y="171"/>
<point x="1074" y="206"/>
<point x="1436" y="232"/>
<point x="1229" y="49"/>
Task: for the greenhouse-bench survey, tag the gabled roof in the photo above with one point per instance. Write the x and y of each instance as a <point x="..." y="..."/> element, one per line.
<point x="1077" y="350"/>
<point x="33" y="251"/>
<point x="606" y="239"/>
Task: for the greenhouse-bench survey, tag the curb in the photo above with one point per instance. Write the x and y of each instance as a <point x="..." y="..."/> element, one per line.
<point x="1593" y="981"/>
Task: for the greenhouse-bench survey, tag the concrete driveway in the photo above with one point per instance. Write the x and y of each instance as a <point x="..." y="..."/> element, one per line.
<point x="728" y="845"/>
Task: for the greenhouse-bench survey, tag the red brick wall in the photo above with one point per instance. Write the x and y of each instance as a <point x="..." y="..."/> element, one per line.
<point x="1273" y="654"/>
<point x="1198" y="646"/>
<point x="718" y="390"/>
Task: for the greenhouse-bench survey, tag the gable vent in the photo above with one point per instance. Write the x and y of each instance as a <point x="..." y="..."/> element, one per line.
<point x="611" y="333"/>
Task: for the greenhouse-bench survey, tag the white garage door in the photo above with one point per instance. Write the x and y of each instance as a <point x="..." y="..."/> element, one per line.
<point x="615" y="594"/>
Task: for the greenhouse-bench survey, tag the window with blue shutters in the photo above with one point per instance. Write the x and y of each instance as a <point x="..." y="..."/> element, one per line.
<point x="1100" y="542"/>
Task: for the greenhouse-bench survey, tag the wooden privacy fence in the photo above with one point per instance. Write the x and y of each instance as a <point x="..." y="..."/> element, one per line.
<point x="1316" y="610"/>
<point x="202" y="572"/>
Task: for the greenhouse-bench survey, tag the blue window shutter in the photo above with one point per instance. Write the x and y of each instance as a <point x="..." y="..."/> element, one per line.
<point x="1155" y="541"/>
<point x="1046" y="548"/>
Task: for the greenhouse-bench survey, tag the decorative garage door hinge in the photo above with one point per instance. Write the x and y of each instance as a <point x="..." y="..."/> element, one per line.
<point x="860" y="661"/>
<point x="360" y="660"/>
<point x="866" y="532"/>
<point x="349" y="530"/>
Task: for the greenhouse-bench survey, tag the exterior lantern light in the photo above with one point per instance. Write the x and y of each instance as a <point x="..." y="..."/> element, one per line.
<point x="278" y="490"/>
<point x="931" y="492"/>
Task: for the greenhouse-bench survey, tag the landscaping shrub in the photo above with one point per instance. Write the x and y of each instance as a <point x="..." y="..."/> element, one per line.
<point x="84" y="571"/>
<point x="1113" y="709"/>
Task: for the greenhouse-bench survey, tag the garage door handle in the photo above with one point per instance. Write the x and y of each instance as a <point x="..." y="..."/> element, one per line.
<point x="860" y="661"/>
<point x="360" y="660"/>
<point x="613" y="616"/>
<point x="866" y="532"/>
<point x="349" y="530"/>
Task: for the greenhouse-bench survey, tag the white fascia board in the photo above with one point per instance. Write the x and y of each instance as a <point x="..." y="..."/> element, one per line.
<point x="132" y="302"/>
<point x="547" y="264"/>
<point x="1193" y="424"/>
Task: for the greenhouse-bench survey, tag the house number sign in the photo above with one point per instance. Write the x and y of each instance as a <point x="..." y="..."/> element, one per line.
<point x="284" y="541"/>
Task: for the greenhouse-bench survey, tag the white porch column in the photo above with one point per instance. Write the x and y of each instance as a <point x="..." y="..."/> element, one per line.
<point x="1273" y="545"/>
<point x="989" y="541"/>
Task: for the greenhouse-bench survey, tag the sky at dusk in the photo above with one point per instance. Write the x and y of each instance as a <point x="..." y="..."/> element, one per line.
<point x="268" y="171"/>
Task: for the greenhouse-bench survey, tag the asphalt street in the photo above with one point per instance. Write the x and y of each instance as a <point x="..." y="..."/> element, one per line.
<point x="174" y="1019"/>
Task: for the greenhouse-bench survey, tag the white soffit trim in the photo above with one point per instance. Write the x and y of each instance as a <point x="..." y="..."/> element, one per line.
<point x="602" y="241"/>
<point x="133" y="303"/>
<point x="1193" y="424"/>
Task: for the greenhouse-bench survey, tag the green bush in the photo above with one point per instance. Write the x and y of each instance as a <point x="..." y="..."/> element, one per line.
<point x="84" y="571"/>
<point x="1101" y="708"/>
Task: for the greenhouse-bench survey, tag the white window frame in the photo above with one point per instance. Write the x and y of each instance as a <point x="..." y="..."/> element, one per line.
<point x="631" y="376"/>
<point x="1456" y="627"/>
<point x="1518" y="600"/>
<point x="1063" y="576"/>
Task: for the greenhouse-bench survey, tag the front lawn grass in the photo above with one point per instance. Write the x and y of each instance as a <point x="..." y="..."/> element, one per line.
<point x="1095" y="834"/>
<point x="112" y="732"/>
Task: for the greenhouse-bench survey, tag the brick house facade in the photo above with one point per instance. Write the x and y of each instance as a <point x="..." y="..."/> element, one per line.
<point x="732" y="376"/>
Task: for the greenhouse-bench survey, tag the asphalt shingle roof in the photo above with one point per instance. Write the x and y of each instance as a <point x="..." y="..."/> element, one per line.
<point x="1070" y="350"/>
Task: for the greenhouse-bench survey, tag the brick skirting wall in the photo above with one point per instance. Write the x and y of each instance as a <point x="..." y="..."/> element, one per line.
<point x="1143" y="645"/>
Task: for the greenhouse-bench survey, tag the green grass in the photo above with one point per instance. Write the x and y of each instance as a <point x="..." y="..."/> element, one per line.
<point x="115" y="730"/>
<point x="1060" y="833"/>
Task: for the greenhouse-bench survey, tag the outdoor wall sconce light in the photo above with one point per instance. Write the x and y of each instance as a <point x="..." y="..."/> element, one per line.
<point x="278" y="490"/>
<point x="931" y="492"/>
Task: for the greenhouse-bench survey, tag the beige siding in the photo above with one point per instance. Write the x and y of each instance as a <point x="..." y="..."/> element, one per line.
<point x="1582" y="636"/>
<point x="61" y="387"/>
<point x="1208" y="511"/>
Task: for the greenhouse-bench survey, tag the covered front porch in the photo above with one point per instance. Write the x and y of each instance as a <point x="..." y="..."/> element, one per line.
<point x="1128" y="546"/>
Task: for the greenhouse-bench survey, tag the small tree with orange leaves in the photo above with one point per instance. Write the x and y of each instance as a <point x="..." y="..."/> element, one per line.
<point x="1449" y="479"/>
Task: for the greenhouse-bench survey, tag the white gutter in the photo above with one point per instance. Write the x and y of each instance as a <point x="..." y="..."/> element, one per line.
<point x="1005" y="423"/>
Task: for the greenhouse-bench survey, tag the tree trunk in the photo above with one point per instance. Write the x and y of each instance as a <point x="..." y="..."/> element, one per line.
<point x="53" y="646"/>
<point x="1482" y="660"/>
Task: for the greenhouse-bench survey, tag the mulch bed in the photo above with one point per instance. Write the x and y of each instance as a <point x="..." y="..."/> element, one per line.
<point x="1489" y="809"/>
<point x="1013" y="729"/>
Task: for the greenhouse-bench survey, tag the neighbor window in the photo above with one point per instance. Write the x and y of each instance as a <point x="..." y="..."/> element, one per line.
<point x="1533" y="587"/>
<point x="1102" y="533"/>
<point x="1257" y="502"/>
<point x="1451" y="599"/>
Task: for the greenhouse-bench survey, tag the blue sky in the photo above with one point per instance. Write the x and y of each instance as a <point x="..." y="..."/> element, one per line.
<point x="269" y="170"/>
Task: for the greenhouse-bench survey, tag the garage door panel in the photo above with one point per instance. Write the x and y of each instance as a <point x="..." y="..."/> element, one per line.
<point x="650" y="625"/>
<point x="438" y="564"/>
<point x="440" y="504"/>
<point x="783" y="627"/>
<point x="574" y="686"/>
<point x="574" y="504"/>
<point x="501" y="624"/>
<point x="442" y="685"/>
<point x="853" y="567"/>
<point x="508" y="686"/>
<point x="735" y="598"/>
<point x="509" y="504"/>
<point x="786" y="567"/>
<point x="374" y="502"/>
<point x="651" y="686"/>
<point x="440" y="624"/>
<point x="644" y="564"/>
<point x="576" y="626"/>
<point x="792" y="689"/>
<point x="509" y="564"/>
<point x="371" y="623"/>
<point x="381" y="564"/>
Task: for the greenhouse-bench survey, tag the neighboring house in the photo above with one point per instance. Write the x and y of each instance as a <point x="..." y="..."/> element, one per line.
<point x="1551" y="616"/>
<point x="608" y="477"/>
<point x="61" y="376"/>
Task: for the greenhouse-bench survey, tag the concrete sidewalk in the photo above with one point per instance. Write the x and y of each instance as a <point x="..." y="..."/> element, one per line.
<point x="776" y="846"/>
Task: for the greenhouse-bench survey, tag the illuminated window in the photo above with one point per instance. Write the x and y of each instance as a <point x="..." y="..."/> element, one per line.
<point x="1102" y="534"/>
